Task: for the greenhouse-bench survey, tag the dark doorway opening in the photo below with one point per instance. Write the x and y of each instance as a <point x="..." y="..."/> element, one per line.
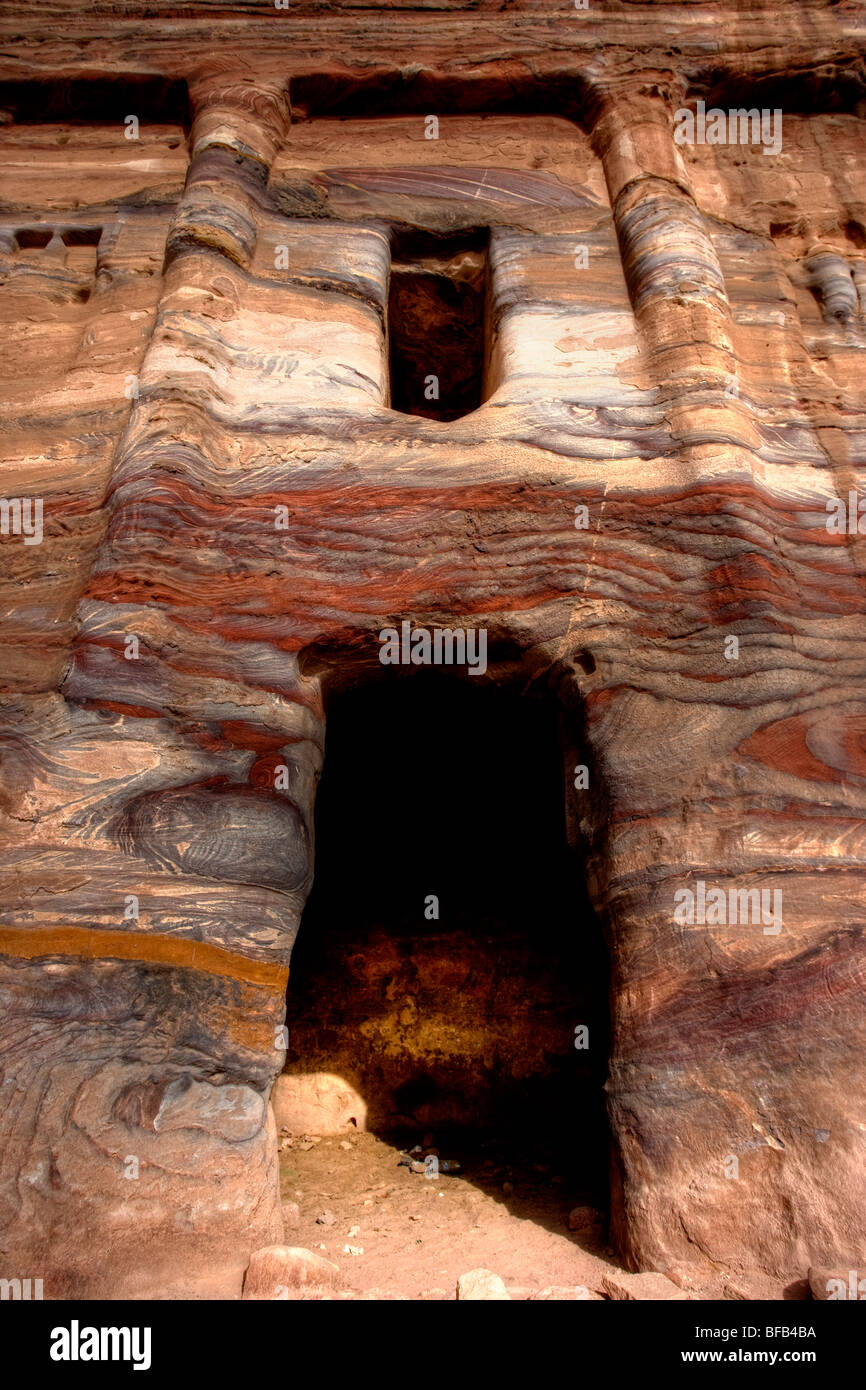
<point x="436" y="324"/>
<point x="461" y="1026"/>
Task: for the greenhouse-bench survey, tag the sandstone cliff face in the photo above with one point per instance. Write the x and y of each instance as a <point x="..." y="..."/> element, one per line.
<point x="198" y="388"/>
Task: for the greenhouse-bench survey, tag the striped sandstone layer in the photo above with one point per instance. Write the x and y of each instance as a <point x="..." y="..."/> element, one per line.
<point x="695" y="382"/>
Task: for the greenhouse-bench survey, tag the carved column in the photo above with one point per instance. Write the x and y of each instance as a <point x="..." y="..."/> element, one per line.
<point x="675" y="281"/>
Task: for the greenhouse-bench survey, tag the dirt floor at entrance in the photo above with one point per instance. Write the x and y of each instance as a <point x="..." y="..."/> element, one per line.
<point x="400" y="1234"/>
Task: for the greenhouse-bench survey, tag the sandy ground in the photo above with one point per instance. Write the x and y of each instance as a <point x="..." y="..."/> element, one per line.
<point x="411" y="1236"/>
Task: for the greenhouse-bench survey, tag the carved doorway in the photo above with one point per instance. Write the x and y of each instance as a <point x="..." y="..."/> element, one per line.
<point x="446" y="962"/>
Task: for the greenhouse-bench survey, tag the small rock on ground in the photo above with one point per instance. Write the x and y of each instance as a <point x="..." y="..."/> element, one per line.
<point x="637" y="1287"/>
<point x="556" y="1293"/>
<point x="481" y="1285"/>
<point x="276" y="1270"/>
<point x="583" y="1218"/>
<point x="291" y="1213"/>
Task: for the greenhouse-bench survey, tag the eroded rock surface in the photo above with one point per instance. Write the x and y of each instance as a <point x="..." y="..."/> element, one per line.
<point x="196" y="390"/>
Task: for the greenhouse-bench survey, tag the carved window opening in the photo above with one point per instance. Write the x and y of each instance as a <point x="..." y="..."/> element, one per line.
<point x="47" y="247"/>
<point x="462" y="1025"/>
<point x="437" y="312"/>
<point x="33" y="238"/>
<point x="82" y="249"/>
<point x="97" y="101"/>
